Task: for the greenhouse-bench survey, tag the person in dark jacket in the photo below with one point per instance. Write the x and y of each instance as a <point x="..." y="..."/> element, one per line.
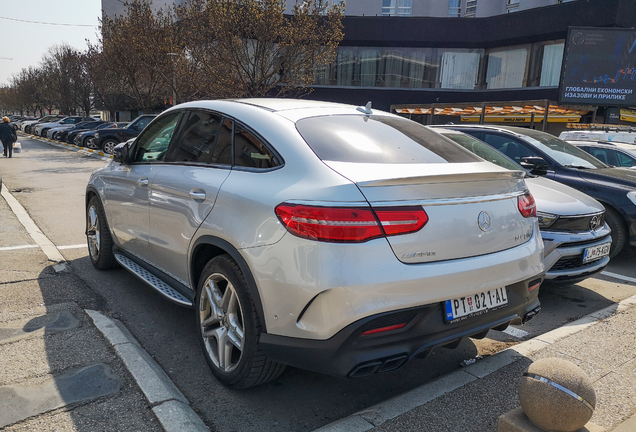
<point x="7" y="136"/>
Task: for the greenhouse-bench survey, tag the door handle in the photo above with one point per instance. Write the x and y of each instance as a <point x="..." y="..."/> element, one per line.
<point x="143" y="182"/>
<point x="197" y="195"/>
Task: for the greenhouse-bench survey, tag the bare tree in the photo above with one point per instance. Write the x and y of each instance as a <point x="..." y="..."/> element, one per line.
<point x="251" y="48"/>
<point x="135" y="48"/>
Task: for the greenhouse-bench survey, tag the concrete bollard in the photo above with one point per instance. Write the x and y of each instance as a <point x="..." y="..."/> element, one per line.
<point x="555" y="395"/>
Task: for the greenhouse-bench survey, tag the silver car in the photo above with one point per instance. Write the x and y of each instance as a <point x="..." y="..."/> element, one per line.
<point x="577" y="240"/>
<point x="332" y="238"/>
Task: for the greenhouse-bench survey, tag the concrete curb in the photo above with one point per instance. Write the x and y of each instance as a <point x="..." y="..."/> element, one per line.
<point x="168" y="403"/>
<point x="376" y="415"/>
<point x="98" y="154"/>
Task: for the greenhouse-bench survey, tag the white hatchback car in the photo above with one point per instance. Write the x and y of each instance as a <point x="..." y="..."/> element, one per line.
<point x="332" y="238"/>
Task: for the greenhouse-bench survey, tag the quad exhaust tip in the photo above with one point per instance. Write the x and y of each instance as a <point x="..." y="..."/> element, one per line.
<point x="378" y="366"/>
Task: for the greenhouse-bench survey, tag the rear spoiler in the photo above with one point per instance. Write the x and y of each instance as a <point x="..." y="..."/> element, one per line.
<point x="376" y="175"/>
<point x="446" y="178"/>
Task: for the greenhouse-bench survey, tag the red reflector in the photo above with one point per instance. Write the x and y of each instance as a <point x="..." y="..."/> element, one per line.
<point x="330" y="224"/>
<point x="401" y="220"/>
<point x="533" y="287"/>
<point x="383" y="329"/>
<point x="526" y="205"/>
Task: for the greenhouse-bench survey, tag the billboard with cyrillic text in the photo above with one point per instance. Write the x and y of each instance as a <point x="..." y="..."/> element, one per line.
<point x="599" y="67"/>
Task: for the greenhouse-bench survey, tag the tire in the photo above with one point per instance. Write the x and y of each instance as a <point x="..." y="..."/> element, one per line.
<point x="100" y="243"/>
<point x="229" y="329"/>
<point x="619" y="232"/>
<point x="109" y="146"/>
<point x="89" y="142"/>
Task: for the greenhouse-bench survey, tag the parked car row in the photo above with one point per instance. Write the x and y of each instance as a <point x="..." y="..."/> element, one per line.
<point x="342" y="239"/>
<point x="85" y="131"/>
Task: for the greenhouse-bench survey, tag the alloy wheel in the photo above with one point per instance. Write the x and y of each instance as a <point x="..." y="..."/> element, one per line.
<point x="93" y="233"/>
<point x="221" y="320"/>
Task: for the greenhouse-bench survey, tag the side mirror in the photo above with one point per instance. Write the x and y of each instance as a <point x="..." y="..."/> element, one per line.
<point x="121" y="152"/>
<point x="534" y="164"/>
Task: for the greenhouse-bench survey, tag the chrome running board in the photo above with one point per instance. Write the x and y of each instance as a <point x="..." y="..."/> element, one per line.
<point x="152" y="280"/>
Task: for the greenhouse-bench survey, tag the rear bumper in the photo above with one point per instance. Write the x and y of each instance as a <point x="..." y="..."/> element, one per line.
<point x="351" y="354"/>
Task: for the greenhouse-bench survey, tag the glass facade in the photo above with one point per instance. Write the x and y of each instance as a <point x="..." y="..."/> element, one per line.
<point x="521" y="66"/>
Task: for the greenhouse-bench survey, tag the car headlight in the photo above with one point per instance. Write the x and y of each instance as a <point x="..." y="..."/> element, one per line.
<point x="632" y="196"/>
<point x="546" y="220"/>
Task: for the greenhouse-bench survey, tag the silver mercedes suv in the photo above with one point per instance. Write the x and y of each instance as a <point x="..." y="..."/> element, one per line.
<point x="334" y="238"/>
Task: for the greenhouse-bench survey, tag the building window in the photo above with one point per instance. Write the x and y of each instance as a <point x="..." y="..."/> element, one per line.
<point x="404" y="8"/>
<point x="551" y="65"/>
<point x="513" y="6"/>
<point x="458" y="70"/>
<point x="454" y="8"/>
<point x="507" y="69"/>
<point x="397" y="7"/>
<point x="564" y="1"/>
<point x="471" y="8"/>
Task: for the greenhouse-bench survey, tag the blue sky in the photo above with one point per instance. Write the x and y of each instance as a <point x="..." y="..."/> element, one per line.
<point x="26" y="42"/>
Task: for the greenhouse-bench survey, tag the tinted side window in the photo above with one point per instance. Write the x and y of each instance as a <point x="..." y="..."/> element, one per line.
<point x="222" y="153"/>
<point x="198" y="138"/>
<point x="151" y="146"/>
<point x="603" y="155"/>
<point x="510" y="147"/>
<point x="625" y="160"/>
<point x="251" y="151"/>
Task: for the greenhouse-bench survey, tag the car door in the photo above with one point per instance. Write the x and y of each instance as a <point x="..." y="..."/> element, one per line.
<point x="184" y="192"/>
<point x="129" y="187"/>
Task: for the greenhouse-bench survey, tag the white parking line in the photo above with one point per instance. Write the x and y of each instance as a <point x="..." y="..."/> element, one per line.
<point x="75" y="246"/>
<point x="32" y="229"/>
<point x="515" y="332"/>
<point x="11" y="248"/>
<point x="617" y="276"/>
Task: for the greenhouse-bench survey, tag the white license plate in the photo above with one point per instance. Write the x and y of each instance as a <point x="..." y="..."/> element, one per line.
<point x="476" y="304"/>
<point x="596" y="252"/>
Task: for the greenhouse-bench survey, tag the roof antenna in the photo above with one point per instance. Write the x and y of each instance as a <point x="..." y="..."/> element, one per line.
<point x="366" y="109"/>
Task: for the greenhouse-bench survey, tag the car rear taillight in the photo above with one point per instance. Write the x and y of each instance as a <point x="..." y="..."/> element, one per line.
<point x="401" y="220"/>
<point x="527" y="206"/>
<point x="349" y="224"/>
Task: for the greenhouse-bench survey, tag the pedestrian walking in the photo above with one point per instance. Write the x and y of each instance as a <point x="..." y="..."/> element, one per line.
<point x="7" y="136"/>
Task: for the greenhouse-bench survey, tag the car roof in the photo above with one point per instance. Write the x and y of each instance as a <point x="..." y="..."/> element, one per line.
<point x="508" y="129"/>
<point x="290" y="109"/>
<point x="603" y="144"/>
<point x="281" y="104"/>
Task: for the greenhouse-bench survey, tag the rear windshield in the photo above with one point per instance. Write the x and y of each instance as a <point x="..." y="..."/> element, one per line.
<point x="378" y="139"/>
